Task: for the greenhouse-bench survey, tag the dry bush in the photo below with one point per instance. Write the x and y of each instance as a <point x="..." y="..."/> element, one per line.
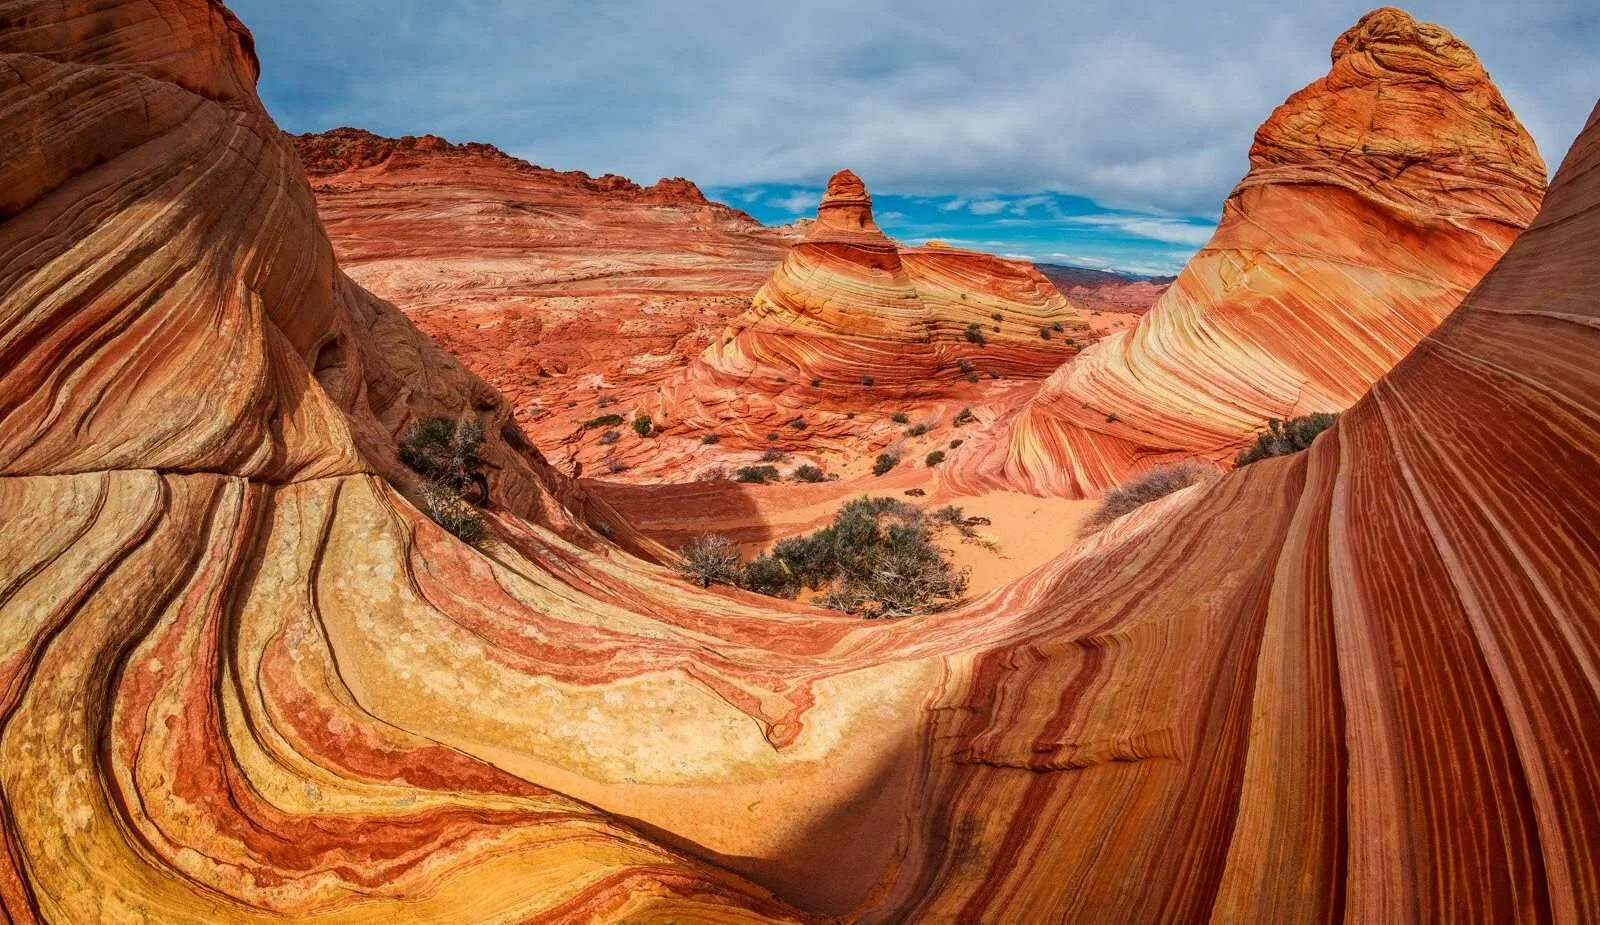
<point x="710" y="560"/>
<point x="1144" y="488"/>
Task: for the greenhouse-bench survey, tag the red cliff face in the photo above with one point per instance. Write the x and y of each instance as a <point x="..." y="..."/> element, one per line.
<point x="1376" y="198"/>
<point x="243" y="679"/>
<point x="558" y="288"/>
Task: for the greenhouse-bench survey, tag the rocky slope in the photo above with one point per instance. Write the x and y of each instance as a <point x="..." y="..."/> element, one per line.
<point x="1376" y="197"/>
<point x="1106" y="290"/>
<point x="556" y="287"/>
<point x="243" y="680"/>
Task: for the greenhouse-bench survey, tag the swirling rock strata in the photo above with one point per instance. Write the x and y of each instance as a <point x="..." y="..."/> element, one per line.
<point x="243" y="680"/>
<point x="1376" y="198"/>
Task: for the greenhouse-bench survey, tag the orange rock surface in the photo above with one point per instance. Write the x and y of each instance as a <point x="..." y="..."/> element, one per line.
<point x="558" y="288"/>
<point x="242" y="679"/>
<point x="1377" y="197"/>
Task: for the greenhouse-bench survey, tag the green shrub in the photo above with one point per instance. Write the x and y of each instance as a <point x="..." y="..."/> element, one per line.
<point x="1145" y="488"/>
<point x="808" y="473"/>
<point x="798" y="424"/>
<point x="900" y="417"/>
<point x="710" y="439"/>
<point x="918" y="430"/>
<point x="643" y="425"/>
<point x="452" y="512"/>
<point x="768" y="575"/>
<point x="1285" y="437"/>
<point x="934" y="458"/>
<point x="759" y="475"/>
<point x="885" y="462"/>
<point x="974" y="333"/>
<point x="710" y="560"/>
<point x="604" y="420"/>
<point x="1056" y="327"/>
<point x="446" y="453"/>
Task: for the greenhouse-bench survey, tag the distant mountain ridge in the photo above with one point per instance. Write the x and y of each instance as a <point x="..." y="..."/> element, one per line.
<point x="1106" y="290"/>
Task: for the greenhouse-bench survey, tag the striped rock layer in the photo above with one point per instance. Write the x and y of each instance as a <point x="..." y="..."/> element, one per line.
<point x="1376" y="198"/>
<point x="243" y="680"/>
<point x="848" y="302"/>
<point x="545" y="283"/>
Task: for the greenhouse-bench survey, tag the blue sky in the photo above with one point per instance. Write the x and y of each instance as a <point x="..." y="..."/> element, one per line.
<point x="1132" y="119"/>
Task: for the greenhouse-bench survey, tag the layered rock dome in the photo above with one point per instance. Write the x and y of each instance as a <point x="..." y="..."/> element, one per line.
<point x="242" y="679"/>
<point x="1376" y="198"/>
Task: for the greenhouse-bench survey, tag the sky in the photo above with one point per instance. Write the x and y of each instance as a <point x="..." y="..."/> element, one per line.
<point x="1102" y="134"/>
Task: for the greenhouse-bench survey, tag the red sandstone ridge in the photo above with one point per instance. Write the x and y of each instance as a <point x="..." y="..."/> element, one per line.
<point x="559" y="288"/>
<point x="243" y="679"/>
<point x="1376" y="198"/>
<point x="1106" y="290"/>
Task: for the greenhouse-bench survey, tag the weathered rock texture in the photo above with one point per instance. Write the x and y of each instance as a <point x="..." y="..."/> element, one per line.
<point x="1376" y="197"/>
<point x="242" y="680"/>
<point x="558" y="288"/>
<point x="1106" y="290"/>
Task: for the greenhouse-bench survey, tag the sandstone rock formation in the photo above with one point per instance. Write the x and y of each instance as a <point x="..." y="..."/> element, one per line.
<point x="1377" y="196"/>
<point x="1106" y="290"/>
<point x="849" y="302"/>
<point x="243" y="680"/>
<point x="558" y="288"/>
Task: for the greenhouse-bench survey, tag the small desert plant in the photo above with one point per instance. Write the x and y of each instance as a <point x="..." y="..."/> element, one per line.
<point x="1112" y="418"/>
<point x="900" y="417"/>
<point x="867" y="381"/>
<point x="446" y="451"/>
<point x="972" y="377"/>
<point x="710" y="560"/>
<point x="772" y="435"/>
<point x="964" y="364"/>
<point x="964" y="417"/>
<point x="885" y="462"/>
<point x="604" y="420"/>
<point x="918" y="430"/>
<point x="1056" y="327"/>
<point x="797" y="424"/>
<point x="643" y="425"/>
<point x="757" y="475"/>
<point x="605" y="401"/>
<point x="773" y="454"/>
<point x="710" y="439"/>
<point x="956" y="442"/>
<point x="1145" y="488"/>
<point x="609" y="437"/>
<point x="808" y="473"/>
<point x="449" y="510"/>
<point x="1285" y="437"/>
<point x="974" y="333"/>
<point x="615" y="465"/>
<point x="815" y="383"/>
<point x="997" y="316"/>
<point x="1044" y="333"/>
<point x="934" y="458"/>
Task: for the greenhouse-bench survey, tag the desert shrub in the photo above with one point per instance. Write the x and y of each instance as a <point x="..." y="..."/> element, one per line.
<point x="797" y="424"/>
<point x="900" y="417"/>
<point x="615" y="465"/>
<point x="773" y="454"/>
<point x="956" y="442"/>
<point x="759" y="475"/>
<point x="710" y="560"/>
<point x="605" y="401"/>
<point x="885" y="462"/>
<point x="446" y="453"/>
<point x="710" y="439"/>
<point x="808" y="473"/>
<point x="815" y="383"/>
<point x="934" y="458"/>
<point x="1145" y="488"/>
<point x="964" y="417"/>
<point x="604" y="420"/>
<point x="867" y="381"/>
<point x="643" y="425"/>
<point x="1112" y="418"/>
<point x="1056" y="327"/>
<point x="768" y="575"/>
<point x="918" y="430"/>
<point x="997" y="316"/>
<point x="972" y="377"/>
<point x="964" y="364"/>
<point x="772" y="435"/>
<point x="452" y="512"/>
<point x="974" y="333"/>
<point x="1044" y="333"/>
<point x="1285" y="437"/>
<point x="609" y="437"/>
<point x="993" y="374"/>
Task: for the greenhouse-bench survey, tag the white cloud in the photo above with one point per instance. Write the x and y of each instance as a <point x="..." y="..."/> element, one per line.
<point x="986" y="207"/>
<point x="1144" y="108"/>
<point x="954" y="205"/>
<point x="798" y="201"/>
<point x="1170" y="231"/>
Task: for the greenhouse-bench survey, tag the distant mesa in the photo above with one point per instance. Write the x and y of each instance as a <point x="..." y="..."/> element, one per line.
<point x="1377" y="197"/>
